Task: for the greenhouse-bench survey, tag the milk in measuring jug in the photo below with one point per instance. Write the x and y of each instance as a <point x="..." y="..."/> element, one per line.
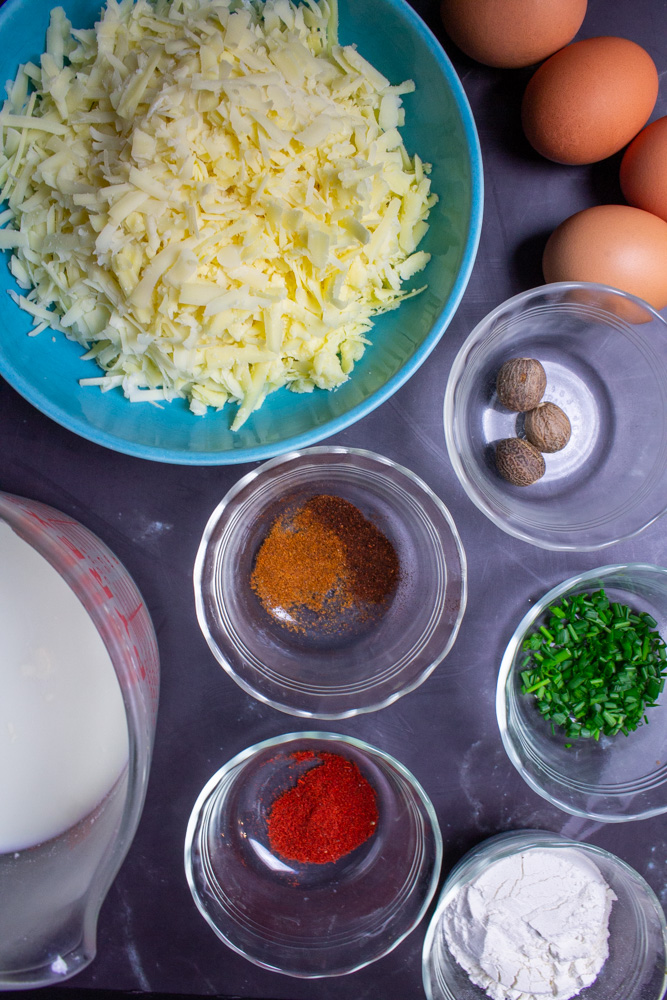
<point x="63" y="730"/>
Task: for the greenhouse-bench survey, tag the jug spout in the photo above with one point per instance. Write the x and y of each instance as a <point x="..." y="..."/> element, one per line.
<point x="51" y="896"/>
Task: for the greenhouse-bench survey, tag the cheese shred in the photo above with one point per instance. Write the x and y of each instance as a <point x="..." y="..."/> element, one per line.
<point x="211" y="196"/>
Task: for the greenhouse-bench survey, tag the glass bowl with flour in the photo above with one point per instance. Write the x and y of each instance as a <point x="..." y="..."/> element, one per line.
<point x="528" y="915"/>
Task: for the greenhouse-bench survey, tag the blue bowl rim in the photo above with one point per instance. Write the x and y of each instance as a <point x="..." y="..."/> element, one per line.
<point x="184" y="457"/>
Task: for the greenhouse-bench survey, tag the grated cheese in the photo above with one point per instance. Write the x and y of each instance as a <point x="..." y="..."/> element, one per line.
<point x="212" y="198"/>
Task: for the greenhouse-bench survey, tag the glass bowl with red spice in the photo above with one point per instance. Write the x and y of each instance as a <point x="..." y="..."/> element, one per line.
<point x="330" y="582"/>
<point x="313" y="854"/>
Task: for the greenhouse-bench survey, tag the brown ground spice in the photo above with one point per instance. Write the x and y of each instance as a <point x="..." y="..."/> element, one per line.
<point x="325" y="557"/>
<point x="372" y="563"/>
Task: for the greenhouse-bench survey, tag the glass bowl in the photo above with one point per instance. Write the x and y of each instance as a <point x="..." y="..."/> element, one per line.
<point x="605" y="357"/>
<point x="330" y="675"/>
<point x="635" y="968"/>
<point x="616" y="778"/>
<point x="310" y="920"/>
<point x="439" y="127"/>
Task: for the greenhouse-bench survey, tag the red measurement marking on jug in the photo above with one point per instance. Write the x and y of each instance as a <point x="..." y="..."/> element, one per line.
<point x="100" y="582"/>
<point x="78" y="555"/>
<point x="126" y="623"/>
<point x="47" y="522"/>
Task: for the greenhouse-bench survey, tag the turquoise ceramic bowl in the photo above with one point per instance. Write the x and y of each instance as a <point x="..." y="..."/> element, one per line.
<point x="439" y="127"/>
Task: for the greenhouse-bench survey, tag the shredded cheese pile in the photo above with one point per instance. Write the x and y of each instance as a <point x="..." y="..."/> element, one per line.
<point x="212" y="197"/>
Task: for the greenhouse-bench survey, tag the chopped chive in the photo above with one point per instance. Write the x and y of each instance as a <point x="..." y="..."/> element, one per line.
<point x="594" y="666"/>
<point x="536" y="687"/>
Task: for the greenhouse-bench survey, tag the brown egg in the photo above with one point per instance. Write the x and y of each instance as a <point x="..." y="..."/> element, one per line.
<point x="644" y="169"/>
<point x="511" y="33"/>
<point x="589" y="100"/>
<point x="614" y="245"/>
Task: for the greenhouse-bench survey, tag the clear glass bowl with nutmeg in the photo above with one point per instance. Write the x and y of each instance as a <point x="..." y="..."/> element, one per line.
<point x="556" y="416"/>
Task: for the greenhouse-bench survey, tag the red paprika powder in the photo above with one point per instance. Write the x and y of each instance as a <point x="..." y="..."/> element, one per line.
<point x="330" y="811"/>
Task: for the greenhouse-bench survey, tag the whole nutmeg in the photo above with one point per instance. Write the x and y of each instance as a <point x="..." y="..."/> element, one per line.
<point x="547" y="427"/>
<point x="519" y="461"/>
<point x="520" y="383"/>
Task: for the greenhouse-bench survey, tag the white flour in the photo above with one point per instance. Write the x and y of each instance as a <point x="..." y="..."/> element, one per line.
<point x="532" y="925"/>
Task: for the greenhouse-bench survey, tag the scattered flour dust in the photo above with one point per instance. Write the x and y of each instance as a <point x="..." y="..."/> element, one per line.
<point x="532" y="925"/>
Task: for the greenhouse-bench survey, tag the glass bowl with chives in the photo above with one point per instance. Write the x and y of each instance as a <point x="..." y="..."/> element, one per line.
<point x="581" y="700"/>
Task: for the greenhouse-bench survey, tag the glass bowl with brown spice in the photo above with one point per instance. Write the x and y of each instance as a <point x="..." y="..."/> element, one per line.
<point x="313" y="854"/>
<point x="330" y="582"/>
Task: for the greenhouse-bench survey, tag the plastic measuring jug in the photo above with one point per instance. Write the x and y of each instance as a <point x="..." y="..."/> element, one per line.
<point x="51" y="891"/>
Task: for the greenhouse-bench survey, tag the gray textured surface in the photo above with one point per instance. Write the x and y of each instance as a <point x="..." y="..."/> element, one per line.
<point x="151" y="937"/>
